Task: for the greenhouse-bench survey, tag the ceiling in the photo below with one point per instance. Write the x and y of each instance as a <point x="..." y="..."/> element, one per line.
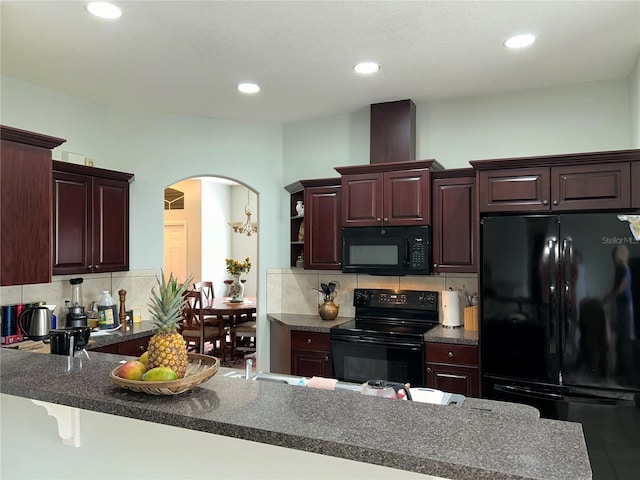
<point x="186" y="57"/>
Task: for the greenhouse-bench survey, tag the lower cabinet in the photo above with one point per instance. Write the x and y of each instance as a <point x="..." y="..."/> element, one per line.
<point x="310" y="354"/>
<point x="453" y="368"/>
<point x="132" y="348"/>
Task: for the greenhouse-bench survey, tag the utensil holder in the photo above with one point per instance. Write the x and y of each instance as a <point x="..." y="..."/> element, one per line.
<point x="471" y="318"/>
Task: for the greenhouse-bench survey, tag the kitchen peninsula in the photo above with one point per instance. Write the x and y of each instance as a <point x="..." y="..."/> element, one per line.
<point x="479" y="440"/>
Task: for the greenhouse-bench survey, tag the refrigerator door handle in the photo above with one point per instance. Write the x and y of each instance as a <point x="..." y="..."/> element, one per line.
<point x="552" y="245"/>
<point x="567" y="263"/>
<point x="529" y="392"/>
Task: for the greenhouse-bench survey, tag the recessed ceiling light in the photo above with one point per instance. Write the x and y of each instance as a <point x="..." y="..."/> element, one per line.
<point x="248" y="88"/>
<point x="104" y="10"/>
<point x="520" y="41"/>
<point x="367" y="67"/>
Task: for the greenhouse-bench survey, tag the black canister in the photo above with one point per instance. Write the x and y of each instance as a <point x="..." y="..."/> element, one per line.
<point x="8" y="320"/>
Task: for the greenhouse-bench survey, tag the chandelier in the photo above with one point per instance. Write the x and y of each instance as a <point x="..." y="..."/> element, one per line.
<point x="247" y="226"/>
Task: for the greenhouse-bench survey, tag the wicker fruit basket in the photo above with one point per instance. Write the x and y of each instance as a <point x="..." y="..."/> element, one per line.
<point x="200" y="368"/>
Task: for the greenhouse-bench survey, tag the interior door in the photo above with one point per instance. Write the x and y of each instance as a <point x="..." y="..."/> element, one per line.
<point x="175" y="249"/>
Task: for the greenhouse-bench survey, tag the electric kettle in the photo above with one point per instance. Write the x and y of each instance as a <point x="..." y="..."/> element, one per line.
<point x="382" y="388"/>
<point x="35" y="322"/>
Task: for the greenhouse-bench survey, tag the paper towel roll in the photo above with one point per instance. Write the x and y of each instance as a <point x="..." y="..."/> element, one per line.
<point x="451" y="309"/>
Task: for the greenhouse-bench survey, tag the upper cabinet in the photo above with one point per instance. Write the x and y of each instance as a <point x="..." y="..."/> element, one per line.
<point x="315" y="234"/>
<point x="323" y="234"/>
<point x="455" y="221"/>
<point x="588" y="181"/>
<point x="90" y="219"/>
<point x="387" y="194"/>
<point x="25" y="206"/>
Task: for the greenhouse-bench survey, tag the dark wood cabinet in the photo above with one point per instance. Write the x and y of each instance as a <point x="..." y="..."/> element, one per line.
<point x="91" y="219"/>
<point x="316" y="236"/>
<point x="387" y="194"/>
<point x="131" y="348"/>
<point x="589" y="181"/>
<point x="392" y="132"/>
<point x="310" y="354"/>
<point x="635" y="184"/>
<point x="323" y="232"/>
<point x="453" y="368"/>
<point x="25" y="206"/>
<point x="455" y="221"/>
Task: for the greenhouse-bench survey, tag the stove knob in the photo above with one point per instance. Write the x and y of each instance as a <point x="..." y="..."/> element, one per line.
<point x="362" y="298"/>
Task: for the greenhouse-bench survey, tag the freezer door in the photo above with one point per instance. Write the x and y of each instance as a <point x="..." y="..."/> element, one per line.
<point x="519" y="293"/>
<point x="600" y="303"/>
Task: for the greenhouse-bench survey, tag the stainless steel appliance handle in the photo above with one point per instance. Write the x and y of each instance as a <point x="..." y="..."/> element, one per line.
<point x="407" y="249"/>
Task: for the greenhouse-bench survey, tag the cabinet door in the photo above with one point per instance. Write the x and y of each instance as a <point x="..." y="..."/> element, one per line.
<point x="406" y="198"/>
<point x="362" y="200"/>
<point x="323" y="237"/>
<point x="514" y="190"/>
<point x="454" y="225"/>
<point x="635" y="184"/>
<point x="71" y="223"/>
<point x="309" y="363"/>
<point x="585" y="187"/>
<point x="135" y="347"/>
<point x="453" y="379"/>
<point x="110" y="225"/>
<point x="25" y="217"/>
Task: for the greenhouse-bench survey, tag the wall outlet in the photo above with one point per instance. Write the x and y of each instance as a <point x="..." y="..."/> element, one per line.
<point x="88" y="162"/>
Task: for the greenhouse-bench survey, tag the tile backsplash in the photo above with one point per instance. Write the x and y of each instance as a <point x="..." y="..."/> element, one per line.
<point x="291" y="290"/>
<point x="137" y="284"/>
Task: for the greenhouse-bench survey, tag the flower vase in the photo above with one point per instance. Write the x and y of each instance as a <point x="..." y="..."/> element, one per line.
<point x="328" y="310"/>
<point x="236" y="290"/>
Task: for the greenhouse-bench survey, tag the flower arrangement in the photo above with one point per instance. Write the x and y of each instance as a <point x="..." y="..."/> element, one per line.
<point x="236" y="267"/>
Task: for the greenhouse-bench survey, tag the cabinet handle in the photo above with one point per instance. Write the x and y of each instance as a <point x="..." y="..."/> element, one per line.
<point x="326" y="358"/>
<point x="90" y="267"/>
<point x="378" y="219"/>
<point x="545" y="202"/>
<point x="428" y="369"/>
<point x="386" y="219"/>
<point x="450" y="354"/>
<point x="435" y="266"/>
<point x="308" y="340"/>
<point x="96" y="266"/>
<point x="555" y="202"/>
<point x="141" y="348"/>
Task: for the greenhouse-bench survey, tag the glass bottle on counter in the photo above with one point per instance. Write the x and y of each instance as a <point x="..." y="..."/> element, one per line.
<point x="107" y="312"/>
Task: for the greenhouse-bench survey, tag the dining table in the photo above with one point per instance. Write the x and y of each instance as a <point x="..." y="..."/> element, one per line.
<point x="224" y="308"/>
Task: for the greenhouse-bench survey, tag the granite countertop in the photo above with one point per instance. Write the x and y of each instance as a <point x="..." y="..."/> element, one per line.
<point x="477" y="442"/>
<point x="133" y="331"/>
<point x="313" y="323"/>
<point x="306" y="323"/>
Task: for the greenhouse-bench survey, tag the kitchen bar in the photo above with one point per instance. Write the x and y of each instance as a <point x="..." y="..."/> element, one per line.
<point x="481" y="439"/>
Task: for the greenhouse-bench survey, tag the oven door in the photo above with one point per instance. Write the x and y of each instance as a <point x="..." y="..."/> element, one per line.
<point x="358" y="358"/>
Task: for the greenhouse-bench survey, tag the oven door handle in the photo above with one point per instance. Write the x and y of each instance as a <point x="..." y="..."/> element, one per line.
<point x="375" y="341"/>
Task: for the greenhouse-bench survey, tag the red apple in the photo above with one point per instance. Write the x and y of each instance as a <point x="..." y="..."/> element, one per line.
<point x="132" y="370"/>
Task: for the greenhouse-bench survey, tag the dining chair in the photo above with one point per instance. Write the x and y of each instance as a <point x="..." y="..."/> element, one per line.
<point x="243" y="331"/>
<point x="206" y="290"/>
<point x="196" y="333"/>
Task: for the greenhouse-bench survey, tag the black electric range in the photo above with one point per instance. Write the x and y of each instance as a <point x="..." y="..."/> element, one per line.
<point x="385" y="340"/>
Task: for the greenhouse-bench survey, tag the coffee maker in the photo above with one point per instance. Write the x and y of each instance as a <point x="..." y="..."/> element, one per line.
<point x="76" y="316"/>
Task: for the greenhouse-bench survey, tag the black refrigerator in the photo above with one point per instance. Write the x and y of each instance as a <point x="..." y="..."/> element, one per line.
<point x="560" y="325"/>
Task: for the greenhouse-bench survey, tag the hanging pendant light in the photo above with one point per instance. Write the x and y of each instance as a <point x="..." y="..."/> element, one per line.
<point x="246" y="227"/>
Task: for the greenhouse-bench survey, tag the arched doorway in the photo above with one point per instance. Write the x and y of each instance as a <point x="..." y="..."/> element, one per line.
<point x="197" y="235"/>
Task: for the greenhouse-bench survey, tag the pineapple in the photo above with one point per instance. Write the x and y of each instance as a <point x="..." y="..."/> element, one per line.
<point x="167" y="348"/>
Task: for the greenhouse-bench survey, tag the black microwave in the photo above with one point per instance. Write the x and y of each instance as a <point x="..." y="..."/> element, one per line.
<point x="387" y="250"/>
